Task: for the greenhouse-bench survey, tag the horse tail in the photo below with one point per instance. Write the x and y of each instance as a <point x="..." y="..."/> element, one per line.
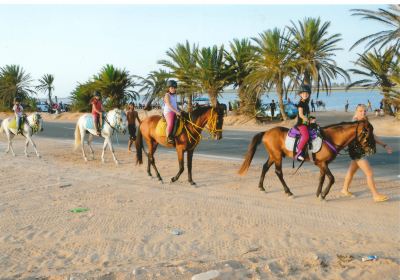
<point x="78" y="139"/>
<point x="1" y="127"/>
<point x="139" y="147"/>
<point x="250" y="152"/>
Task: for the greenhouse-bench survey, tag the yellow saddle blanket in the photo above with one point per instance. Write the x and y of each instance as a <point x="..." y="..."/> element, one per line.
<point x="161" y="128"/>
<point x="13" y="123"/>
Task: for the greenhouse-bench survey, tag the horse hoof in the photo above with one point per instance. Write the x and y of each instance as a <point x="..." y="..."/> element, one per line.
<point x="192" y="183"/>
<point x="291" y="196"/>
<point x="116" y="162"/>
<point x="173" y="179"/>
<point x="261" y="189"/>
<point x="85" y="159"/>
<point x="39" y="156"/>
<point x="26" y="155"/>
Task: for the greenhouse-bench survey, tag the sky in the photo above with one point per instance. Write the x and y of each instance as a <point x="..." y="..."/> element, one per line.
<point x="73" y="42"/>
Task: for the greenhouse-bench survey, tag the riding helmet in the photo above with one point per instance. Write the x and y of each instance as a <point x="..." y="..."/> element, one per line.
<point x="304" y="88"/>
<point x="97" y="93"/>
<point x="172" y="83"/>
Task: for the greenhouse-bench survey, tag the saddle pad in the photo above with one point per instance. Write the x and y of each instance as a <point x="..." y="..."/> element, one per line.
<point x="13" y="123"/>
<point x="89" y="122"/>
<point x="161" y="128"/>
<point x="316" y="144"/>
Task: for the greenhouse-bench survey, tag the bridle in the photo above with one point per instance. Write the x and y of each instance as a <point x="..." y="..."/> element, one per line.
<point x="118" y="125"/>
<point x="211" y="126"/>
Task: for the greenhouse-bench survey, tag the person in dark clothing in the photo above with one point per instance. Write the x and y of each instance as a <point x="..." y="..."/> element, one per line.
<point x="303" y="119"/>
<point x="273" y="108"/>
<point x="132" y="116"/>
<point x="312" y="105"/>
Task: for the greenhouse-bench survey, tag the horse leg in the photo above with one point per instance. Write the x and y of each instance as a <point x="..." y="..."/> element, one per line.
<point x="10" y="147"/>
<point x="152" y="161"/>
<point x="264" y="171"/>
<point x="322" y="173"/>
<point x="179" y="151"/>
<point x="112" y="150"/>
<point x="104" y="148"/>
<point x="189" y="166"/>
<point x="331" y="182"/>
<point x="279" y="173"/>
<point x="33" y="145"/>
<point x="83" y="143"/>
<point x="89" y="142"/>
<point x="26" y="146"/>
<point x="149" y="156"/>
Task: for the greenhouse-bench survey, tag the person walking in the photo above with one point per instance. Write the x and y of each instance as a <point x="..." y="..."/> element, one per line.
<point x="273" y="108"/>
<point x="346" y="107"/>
<point x="132" y="116"/>
<point x="312" y="105"/>
<point x="359" y="161"/>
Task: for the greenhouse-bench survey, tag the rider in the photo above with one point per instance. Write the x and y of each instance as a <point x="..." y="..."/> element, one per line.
<point x="18" y="110"/>
<point x="97" y="110"/>
<point x="132" y="116"/>
<point x="303" y="119"/>
<point x="171" y="109"/>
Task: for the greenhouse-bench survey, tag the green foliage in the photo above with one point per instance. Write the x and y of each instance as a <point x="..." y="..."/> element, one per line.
<point x="212" y="71"/>
<point x="46" y="85"/>
<point x="154" y="85"/>
<point x="389" y="17"/>
<point x="14" y="82"/>
<point x="380" y="70"/>
<point x="315" y="50"/>
<point x="115" y="85"/>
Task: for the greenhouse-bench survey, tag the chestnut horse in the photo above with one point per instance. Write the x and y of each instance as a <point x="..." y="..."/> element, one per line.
<point x="187" y="141"/>
<point x="336" y="137"/>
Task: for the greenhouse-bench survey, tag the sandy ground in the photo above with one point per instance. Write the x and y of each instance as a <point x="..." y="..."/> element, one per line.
<point x="226" y="226"/>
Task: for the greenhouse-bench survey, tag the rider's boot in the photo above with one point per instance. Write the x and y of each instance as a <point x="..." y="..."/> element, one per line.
<point x="170" y="139"/>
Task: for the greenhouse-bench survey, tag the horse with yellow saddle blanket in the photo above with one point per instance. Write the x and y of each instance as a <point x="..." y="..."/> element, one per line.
<point x="187" y="136"/>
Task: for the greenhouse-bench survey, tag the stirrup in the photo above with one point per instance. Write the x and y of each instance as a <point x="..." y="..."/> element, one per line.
<point x="170" y="140"/>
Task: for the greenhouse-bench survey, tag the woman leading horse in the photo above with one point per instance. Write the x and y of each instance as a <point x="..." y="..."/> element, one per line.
<point x="187" y="141"/>
<point x="336" y="137"/>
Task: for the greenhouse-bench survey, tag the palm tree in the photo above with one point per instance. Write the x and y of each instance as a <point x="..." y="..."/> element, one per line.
<point x="154" y="85"/>
<point x="183" y="66"/>
<point x="116" y="85"/>
<point x="274" y="63"/>
<point x="390" y="17"/>
<point x="379" y="69"/>
<point x="46" y="85"/>
<point x="241" y="54"/>
<point x="14" y="82"/>
<point x="81" y="96"/>
<point x="212" y="72"/>
<point x="315" y="49"/>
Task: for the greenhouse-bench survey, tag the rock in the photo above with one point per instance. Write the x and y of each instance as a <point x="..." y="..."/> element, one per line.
<point x="211" y="274"/>
<point x="177" y="231"/>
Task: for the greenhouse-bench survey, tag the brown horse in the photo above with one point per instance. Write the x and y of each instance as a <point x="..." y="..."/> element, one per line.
<point x="336" y="137"/>
<point x="187" y="141"/>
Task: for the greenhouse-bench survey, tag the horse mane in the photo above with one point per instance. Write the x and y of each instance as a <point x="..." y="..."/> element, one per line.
<point x="196" y="113"/>
<point x="338" y="124"/>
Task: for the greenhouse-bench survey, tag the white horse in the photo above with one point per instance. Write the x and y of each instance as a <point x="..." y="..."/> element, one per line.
<point x="114" y="120"/>
<point x="32" y="124"/>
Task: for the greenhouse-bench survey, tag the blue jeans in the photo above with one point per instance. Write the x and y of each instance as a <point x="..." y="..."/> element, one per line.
<point x="18" y="120"/>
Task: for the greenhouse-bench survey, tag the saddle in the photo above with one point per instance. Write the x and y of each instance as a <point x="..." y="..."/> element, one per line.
<point x="13" y="123"/>
<point x="161" y="128"/>
<point x="314" y="142"/>
<point x="90" y="124"/>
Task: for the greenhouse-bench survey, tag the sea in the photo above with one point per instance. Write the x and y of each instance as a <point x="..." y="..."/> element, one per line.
<point x="334" y="101"/>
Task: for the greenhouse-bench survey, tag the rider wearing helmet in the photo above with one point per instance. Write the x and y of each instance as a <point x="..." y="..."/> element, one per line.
<point x="303" y="119"/>
<point x="97" y="110"/>
<point x="171" y="109"/>
<point x="18" y="110"/>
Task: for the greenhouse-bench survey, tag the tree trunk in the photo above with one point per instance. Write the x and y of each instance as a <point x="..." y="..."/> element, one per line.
<point x="279" y="91"/>
<point x="242" y="99"/>
<point x="51" y="102"/>
<point x="387" y="108"/>
<point x="213" y="97"/>
<point x="190" y="102"/>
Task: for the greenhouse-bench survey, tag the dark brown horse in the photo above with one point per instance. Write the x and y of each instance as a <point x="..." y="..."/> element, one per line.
<point x="336" y="137"/>
<point x="187" y="141"/>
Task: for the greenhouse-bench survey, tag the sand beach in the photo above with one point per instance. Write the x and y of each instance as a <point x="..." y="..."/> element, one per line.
<point x="135" y="227"/>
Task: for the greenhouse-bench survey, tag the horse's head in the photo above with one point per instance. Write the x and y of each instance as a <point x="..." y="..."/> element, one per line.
<point x="119" y="120"/>
<point x="216" y="121"/>
<point x="36" y="122"/>
<point x="365" y="137"/>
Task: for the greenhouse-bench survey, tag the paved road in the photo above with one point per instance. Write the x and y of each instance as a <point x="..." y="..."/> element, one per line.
<point x="234" y="145"/>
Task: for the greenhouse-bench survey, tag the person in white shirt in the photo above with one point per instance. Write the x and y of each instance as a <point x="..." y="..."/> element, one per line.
<point x="18" y="110"/>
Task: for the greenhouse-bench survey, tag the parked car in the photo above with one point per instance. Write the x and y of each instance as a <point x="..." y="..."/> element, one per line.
<point x="42" y="106"/>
